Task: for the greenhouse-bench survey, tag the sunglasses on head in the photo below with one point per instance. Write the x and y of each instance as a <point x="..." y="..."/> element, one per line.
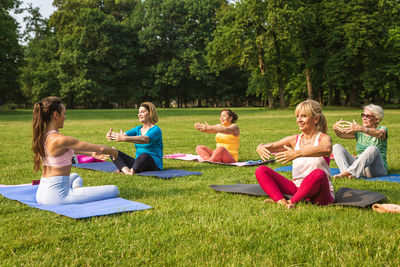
<point x="367" y="116"/>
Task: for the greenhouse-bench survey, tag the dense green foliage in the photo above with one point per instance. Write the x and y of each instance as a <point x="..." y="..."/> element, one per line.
<point x="10" y="53"/>
<point x="190" y="224"/>
<point x="209" y="52"/>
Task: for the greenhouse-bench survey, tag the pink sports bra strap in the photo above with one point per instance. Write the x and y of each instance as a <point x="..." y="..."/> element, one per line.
<point x="63" y="160"/>
<point x="47" y="152"/>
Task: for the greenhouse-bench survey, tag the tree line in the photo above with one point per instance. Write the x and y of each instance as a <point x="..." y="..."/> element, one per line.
<point x="118" y="53"/>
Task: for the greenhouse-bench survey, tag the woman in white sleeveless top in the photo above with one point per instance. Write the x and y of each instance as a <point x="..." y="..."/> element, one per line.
<point x="309" y="152"/>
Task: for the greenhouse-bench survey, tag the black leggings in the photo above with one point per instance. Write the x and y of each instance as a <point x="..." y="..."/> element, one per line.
<point x="143" y="163"/>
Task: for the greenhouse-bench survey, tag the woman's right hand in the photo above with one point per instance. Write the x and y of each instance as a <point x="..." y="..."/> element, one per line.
<point x="108" y="134"/>
<point x="118" y="137"/>
<point x="114" y="153"/>
<point x="263" y="151"/>
<point x="197" y="125"/>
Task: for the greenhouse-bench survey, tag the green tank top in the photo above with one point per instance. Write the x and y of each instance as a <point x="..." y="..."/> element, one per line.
<point x="363" y="141"/>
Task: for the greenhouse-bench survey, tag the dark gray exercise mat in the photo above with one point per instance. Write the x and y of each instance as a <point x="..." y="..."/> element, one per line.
<point x="354" y="197"/>
<point x="343" y="197"/>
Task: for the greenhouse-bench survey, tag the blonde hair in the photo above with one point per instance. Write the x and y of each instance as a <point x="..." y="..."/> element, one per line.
<point x="377" y="110"/>
<point x="312" y="109"/>
<point x="152" y="109"/>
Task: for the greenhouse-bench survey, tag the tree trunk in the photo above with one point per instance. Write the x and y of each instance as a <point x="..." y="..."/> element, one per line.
<point x="262" y="69"/>
<point x="330" y="96"/>
<point x="309" y="85"/>
<point x="279" y="74"/>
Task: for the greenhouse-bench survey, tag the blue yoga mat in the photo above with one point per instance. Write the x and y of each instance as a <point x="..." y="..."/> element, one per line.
<point x="334" y="171"/>
<point x="27" y="194"/>
<point x="110" y="167"/>
<point x="395" y="178"/>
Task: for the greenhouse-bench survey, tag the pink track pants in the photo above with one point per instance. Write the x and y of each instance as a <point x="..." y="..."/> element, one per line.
<point x="315" y="186"/>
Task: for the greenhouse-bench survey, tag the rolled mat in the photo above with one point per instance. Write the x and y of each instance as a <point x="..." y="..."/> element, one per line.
<point x="343" y="197"/>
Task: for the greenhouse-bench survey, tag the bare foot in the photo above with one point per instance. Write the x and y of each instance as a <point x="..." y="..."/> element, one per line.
<point x="290" y="205"/>
<point x="282" y="201"/>
<point x="128" y="171"/>
<point x="268" y="200"/>
<point x="343" y="175"/>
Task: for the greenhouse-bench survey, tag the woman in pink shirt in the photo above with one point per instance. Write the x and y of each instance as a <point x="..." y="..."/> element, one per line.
<point x="309" y="152"/>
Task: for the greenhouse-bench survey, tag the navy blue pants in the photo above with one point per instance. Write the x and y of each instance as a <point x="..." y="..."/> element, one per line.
<point x="143" y="163"/>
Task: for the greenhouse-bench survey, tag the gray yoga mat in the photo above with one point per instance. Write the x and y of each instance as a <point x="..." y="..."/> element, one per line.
<point x="343" y="197"/>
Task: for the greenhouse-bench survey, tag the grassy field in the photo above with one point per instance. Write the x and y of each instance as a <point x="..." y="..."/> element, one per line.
<point x="190" y="224"/>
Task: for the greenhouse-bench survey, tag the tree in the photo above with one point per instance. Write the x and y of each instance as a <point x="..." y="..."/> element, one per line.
<point x="174" y="35"/>
<point x="252" y="34"/>
<point x="97" y="55"/>
<point x="11" y="53"/>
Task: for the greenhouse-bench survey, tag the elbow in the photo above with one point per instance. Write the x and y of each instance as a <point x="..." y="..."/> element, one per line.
<point x="328" y="150"/>
<point x="381" y="135"/>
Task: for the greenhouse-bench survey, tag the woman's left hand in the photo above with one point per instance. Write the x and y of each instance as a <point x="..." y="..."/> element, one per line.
<point x="350" y="127"/>
<point x="202" y="126"/>
<point x="286" y="156"/>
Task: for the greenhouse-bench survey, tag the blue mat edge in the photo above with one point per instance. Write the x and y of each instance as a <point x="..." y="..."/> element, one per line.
<point x="111" y="168"/>
<point x="395" y="178"/>
<point x="135" y="206"/>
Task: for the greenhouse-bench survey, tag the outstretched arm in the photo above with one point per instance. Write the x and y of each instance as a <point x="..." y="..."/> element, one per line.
<point x="217" y="128"/>
<point x="122" y="137"/>
<point x="265" y="150"/>
<point x="323" y="149"/>
<point x="60" y="142"/>
<point x="342" y="130"/>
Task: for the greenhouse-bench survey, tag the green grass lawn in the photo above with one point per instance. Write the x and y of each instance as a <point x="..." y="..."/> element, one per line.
<point x="190" y="224"/>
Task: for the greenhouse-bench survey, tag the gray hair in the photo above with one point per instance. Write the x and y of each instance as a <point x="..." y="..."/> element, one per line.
<point x="377" y="110"/>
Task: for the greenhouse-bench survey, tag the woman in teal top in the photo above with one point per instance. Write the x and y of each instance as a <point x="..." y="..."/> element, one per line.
<point x="371" y="145"/>
<point x="148" y="143"/>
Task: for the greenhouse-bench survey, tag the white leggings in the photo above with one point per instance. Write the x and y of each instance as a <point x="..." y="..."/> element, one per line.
<point x="368" y="164"/>
<point x="58" y="190"/>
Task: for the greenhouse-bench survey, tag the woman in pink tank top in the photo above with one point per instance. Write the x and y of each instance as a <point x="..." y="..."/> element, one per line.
<point x="309" y="152"/>
<point x="54" y="151"/>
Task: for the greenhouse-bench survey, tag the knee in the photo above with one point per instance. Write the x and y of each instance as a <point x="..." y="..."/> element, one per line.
<point x="262" y="170"/>
<point x="372" y="150"/>
<point x="74" y="175"/>
<point x="318" y="174"/>
<point x="337" y="147"/>
<point x="199" y="147"/>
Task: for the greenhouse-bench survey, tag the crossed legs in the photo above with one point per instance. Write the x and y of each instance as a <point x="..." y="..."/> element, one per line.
<point x="220" y="154"/>
<point x="368" y="164"/>
<point x="314" y="187"/>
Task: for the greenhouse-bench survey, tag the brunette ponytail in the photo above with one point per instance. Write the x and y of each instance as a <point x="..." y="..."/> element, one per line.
<point x="42" y="112"/>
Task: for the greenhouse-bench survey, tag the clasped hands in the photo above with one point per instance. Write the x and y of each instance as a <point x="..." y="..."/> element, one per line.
<point x="284" y="156"/>
<point x="347" y="127"/>
<point x="118" y="137"/>
<point x="202" y="126"/>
